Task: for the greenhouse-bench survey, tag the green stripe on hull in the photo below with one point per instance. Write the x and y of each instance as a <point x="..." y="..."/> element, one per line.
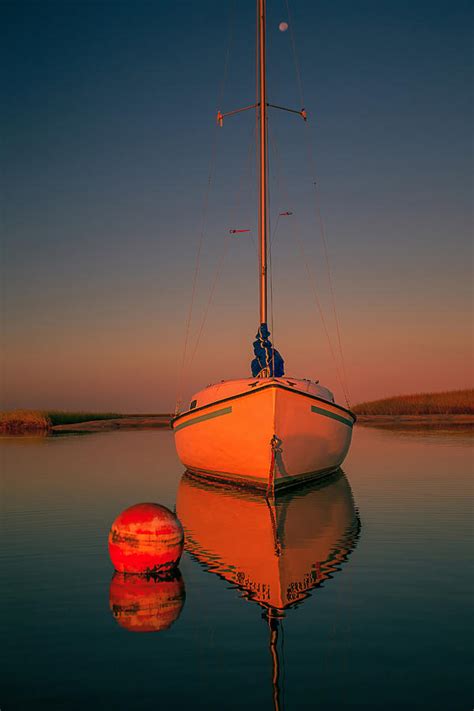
<point x="332" y="415"/>
<point x="202" y="418"/>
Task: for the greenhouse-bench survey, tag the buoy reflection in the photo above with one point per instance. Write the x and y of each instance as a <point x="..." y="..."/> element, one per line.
<point x="141" y="604"/>
<point x="274" y="551"/>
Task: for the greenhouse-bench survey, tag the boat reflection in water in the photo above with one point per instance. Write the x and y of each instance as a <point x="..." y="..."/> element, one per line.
<point x="274" y="550"/>
<point x="146" y="604"/>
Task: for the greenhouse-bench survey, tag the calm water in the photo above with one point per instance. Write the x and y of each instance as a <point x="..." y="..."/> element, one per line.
<point x="376" y="563"/>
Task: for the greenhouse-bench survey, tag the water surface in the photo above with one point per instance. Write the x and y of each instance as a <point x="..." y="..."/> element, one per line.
<point x="374" y="565"/>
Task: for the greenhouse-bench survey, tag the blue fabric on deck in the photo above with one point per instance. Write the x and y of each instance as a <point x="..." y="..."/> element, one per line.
<point x="268" y="362"/>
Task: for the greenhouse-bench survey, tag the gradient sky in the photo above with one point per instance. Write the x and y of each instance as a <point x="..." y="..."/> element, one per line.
<point x="107" y="122"/>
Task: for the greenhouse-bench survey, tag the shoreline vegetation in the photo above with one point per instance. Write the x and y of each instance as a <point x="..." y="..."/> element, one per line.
<point x="23" y="421"/>
<point x="451" y="402"/>
<point x="451" y="408"/>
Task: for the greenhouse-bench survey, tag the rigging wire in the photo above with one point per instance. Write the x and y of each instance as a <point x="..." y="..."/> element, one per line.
<point x="317" y="205"/>
<point x="211" y="172"/>
<point x="211" y="294"/>
<point x="196" y="272"/>
<point x="249" y="175"/>
<point x="311" y="276"/>
<point x="295" y="55"/>
<point x="272" y="324"/>
<point x="272" y="237"/>
<point x="227" y="242"/>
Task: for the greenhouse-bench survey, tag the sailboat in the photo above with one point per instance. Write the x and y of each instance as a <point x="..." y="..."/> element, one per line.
<point x="268" y="431"/>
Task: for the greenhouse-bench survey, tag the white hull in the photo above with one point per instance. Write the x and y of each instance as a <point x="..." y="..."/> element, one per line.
<point x="230" y="437"/>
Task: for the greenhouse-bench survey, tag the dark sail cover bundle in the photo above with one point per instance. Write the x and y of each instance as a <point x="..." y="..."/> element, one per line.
<point x="267" y="363"/>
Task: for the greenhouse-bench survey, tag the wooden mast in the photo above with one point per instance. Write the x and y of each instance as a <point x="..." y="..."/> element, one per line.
<point x="261" y="107"/>
<point x="262" y="204"/>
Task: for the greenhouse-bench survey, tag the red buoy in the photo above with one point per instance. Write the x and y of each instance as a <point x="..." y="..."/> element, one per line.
<point x="142" y="604"/>
<point x="146" y="539"/>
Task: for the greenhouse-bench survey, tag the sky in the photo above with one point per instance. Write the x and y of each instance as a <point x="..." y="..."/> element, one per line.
<point x="110" y="152"/>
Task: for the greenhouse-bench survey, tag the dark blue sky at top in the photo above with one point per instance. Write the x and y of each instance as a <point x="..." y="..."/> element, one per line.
<point x="107" y="120"/>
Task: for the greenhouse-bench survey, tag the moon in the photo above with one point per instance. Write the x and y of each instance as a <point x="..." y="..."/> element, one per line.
<point x="283" y="26"/>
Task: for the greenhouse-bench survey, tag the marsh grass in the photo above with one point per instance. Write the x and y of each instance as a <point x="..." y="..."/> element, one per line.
<point x="29" y="420"/>
<point x="23" y="421"/>
<point x="452" y="402"/>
